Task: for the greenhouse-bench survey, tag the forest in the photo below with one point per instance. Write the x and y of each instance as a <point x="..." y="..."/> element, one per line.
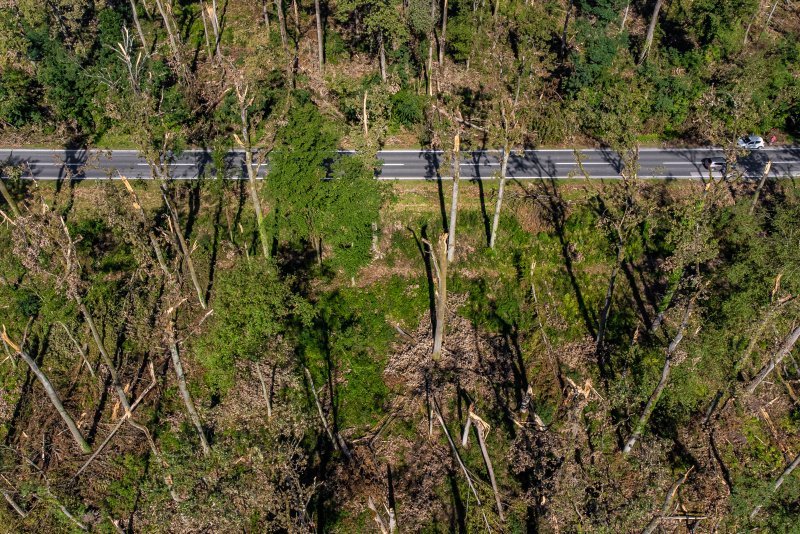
<point x="320" y="351"/>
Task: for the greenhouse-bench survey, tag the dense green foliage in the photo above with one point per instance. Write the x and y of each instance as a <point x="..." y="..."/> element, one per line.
<point x="714" y="70"/>
<point x="606" y="349"/>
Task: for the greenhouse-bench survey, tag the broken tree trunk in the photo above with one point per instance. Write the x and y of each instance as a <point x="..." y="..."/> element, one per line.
<point x="265" y="390"/>
<point x="668" y="500"/>
<point x="320" y="42"/>
<point x="282" y="25"/>
<point x="481" y="429"/>
<point x="440" y="271"/>
<point x="382" y="56"/>
<point x="662" y="383"/>
<point x="775" y="360"/>
<point x="451" y="241"/>
<point x="138" y="25"/>
<point x="364" y="116"/>
<point x="51" y="393"/>
<point x="338" y="442"/>
<point x="171" y="34"/>
<point x="80" y="349"/>
<point x="384" y="528"/>
<point x="128" y="415"/>
<point x="153" y="241"/>
<point x="767" y="168"/>
<point x="251" y="172"/>
<point x="457" y="456"/>
<point x="8" y="198"/>
<point x="17" y="508"/>
<point x="184" y="391"/>
<point x="778" y="483"/>
<point x="183" y="246"/>
<point x="651" y="28"/>
<point x="112" y="370"/>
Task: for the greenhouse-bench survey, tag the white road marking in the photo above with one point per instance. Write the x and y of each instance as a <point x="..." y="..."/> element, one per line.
<point x="394" y="164"/>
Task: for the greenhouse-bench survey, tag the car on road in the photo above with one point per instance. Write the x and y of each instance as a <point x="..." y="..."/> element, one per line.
<point x="751" y="142"/>
<point x="715" y="164"/>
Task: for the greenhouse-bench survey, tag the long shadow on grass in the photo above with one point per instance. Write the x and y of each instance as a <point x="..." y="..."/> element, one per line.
<point x="476" y="163"/>
<point x="432" y="172"/>
<point x="212" y="266"/>
<point x="545" y="192"/>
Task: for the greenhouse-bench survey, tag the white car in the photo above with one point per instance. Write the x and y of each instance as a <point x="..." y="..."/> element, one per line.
<point x="751" y="142"/>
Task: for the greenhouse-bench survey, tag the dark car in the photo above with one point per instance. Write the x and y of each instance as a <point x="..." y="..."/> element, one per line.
<point x="715" y="164"/>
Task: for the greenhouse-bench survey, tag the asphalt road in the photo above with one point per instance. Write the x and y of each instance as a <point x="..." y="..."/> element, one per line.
<point x="45" y="164"/>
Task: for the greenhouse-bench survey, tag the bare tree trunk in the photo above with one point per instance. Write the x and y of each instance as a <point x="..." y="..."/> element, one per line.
<point x="656" y="395"/>
<point x="171" y="35"/>
<point x="769" y="18"/>
<point x="153" y="241"/>
<point x="265" y="390"/>
<point x="8" y="198"/>
<point x="480" y="427"/>
<point x="648" y="40"/>
<point x="320" y="42"/>
<point x="752" y="20"/>
<point x="443" y="37"/>
<point x="159" y="457"/>
<point x="51" y="393"/>
<point x="767" y="168"/>
<point x="624" y="17"/>
<point x="458" y="457"/>
<point x="384" y="528"/>
<point x="668" y="500"/>
<point x="214" y="19"/>
<point x="123" y="398"/>
<point x="431" y="39"/>
<point x="205" y="34"/>
<point x="364" y="117"/>
<point x="601" y="329"/>
<point x="451" y="241"/>
<point x="17" y="508"/>
<point x="282" y="25"/>
<point x="67" y="513"/>
<point x="138" y="25"/>
<point x="785" y="348"/>
<point x="440" y="268"/>
<point x="382" y="56"/>
<point x="465" y="434"/>
<point x="778" y="483"/>
<point x="184" y="248"/>
<point x="80" y="349"/>
<point x="251" y="173"/>
<point x="185" y="395"/>
<point x="338" y="442"/>
<point x="500" y="191"/>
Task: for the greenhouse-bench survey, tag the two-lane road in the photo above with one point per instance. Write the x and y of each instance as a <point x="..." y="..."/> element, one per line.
<point x="671" y="163"/>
